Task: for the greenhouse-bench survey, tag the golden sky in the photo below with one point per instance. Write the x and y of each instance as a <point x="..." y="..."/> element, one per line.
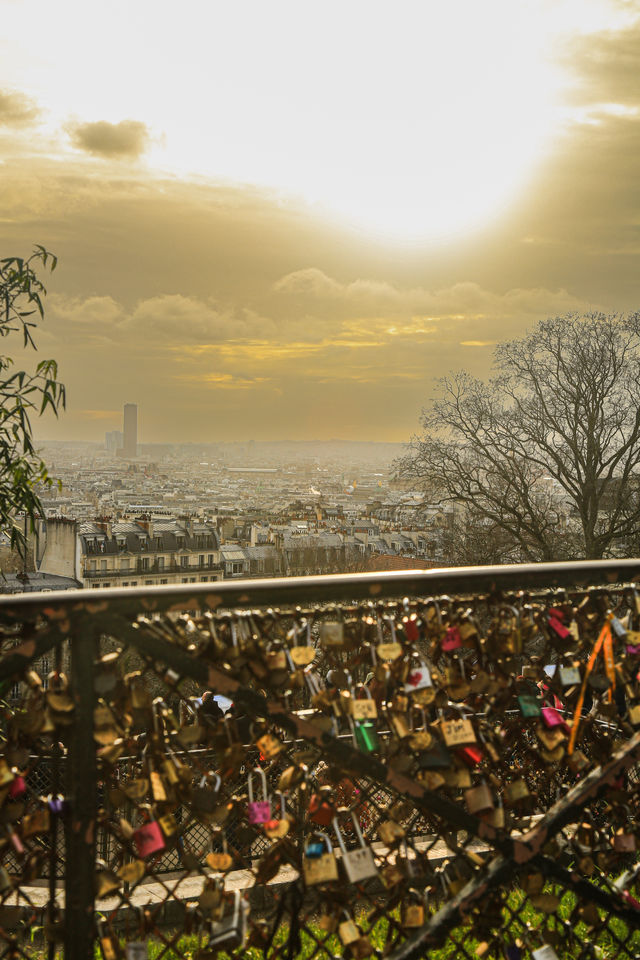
<point x="282" y="220"/>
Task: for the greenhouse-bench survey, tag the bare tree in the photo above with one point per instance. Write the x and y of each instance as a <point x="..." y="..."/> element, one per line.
<point x="547" y="450"/>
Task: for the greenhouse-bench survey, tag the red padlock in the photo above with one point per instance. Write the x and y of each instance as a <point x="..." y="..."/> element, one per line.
<point x="452" y="639"/>
<point x="149" y="839"/>
<point x="18" y="788"/>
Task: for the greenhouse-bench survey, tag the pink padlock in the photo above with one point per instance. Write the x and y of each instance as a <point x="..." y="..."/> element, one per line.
<point x="149" y="839"/>
<point x="452" y="639"/>
<point x="552" y="718"/>
<point x="18" y="788"/>
<point x="258" y="811"/>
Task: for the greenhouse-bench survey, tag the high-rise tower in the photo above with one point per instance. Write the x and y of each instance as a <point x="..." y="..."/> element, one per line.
<point x="130" y="430"/>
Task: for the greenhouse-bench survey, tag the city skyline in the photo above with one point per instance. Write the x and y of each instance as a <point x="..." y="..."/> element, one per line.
<point x="305" y="256"/>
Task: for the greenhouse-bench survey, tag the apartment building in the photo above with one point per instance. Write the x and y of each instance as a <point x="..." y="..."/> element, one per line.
<point x="131" y="553"/>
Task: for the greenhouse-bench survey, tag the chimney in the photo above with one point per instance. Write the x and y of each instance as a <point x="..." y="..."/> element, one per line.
<point x="104" y="523"/>
<point x="147" y="525"/>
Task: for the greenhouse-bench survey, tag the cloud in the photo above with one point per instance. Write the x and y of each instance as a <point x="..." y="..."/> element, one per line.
<point x="462" y="300"/>
<point x="17" y="110"/>
<point x="605" y="66"/>
<point x="125" y="140"/>
<point x="91" y="312"/>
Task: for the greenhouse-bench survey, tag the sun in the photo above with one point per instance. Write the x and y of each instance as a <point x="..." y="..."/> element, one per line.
<point x="411" y="120"/>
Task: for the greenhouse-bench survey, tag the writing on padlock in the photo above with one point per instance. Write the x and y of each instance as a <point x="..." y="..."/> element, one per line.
<point x="359" y="864"/>
<point x="258" y="811"/>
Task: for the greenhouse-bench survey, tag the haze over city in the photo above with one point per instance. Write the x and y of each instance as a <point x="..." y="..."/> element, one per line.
<point x="283" y="225"/>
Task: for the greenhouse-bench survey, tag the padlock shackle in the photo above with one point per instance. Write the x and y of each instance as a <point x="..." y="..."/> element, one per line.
<point x="356" y="825"/>
<point x="263" y="779"/>
<point x="323" y="836"/>
<point x="338" y="833"/>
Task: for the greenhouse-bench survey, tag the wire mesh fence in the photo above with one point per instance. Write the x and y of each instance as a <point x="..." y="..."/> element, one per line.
<point x="447" y="773"/>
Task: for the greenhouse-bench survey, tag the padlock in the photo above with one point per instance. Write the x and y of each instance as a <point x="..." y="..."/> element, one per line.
<point x="132" y="872"/>
<point x="412" y="912"/>
<point x="269" y="746"/>
<point x="479" y="799"/>
<point x="108" y="942"/>
<point x="348" y="930"/>
<point x="258" y="811"/>
<point x="359" y="864"/>
<point x="363" y="708"/>
<point x="530" y="706"/>
<point x="331" y="634"/>
<point x="515" y="792"/>
<point x="301" y="655"/>
<point x="278" y="827"/>
<point x="318" y="861"/>
<point x="7" y="776"/>
<point x="391" y="832"/>
<point x="205" y="798"/>
<point x="5" y="880"/>
<point x="18" y="787"/>
<point x="458" y="732"/>
<point x="220" y="862"/>
<point x="553" y="718"/>
<point x="149" y="839"/>
<point x="37" y="822"/>
<point x="418" y="678"/>
<point x="230" y="931"/>
<point x="321" y="809"/>
<point x="623" y="841"/>
<point x="452" y="639"/>
<point x="569" y="676"/>
<point x="545" y="952"/>
<point x="365" y="735"/>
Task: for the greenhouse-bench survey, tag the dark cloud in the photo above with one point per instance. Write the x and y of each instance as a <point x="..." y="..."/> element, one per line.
<point x="17" y="110"/>
<point x="125" y="140"/>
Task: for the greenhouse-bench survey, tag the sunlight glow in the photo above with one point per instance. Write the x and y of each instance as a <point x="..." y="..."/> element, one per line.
<point x="411" y="120"/>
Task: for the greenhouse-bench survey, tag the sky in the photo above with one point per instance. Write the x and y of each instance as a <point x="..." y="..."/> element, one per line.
<point x="286" y="220"/>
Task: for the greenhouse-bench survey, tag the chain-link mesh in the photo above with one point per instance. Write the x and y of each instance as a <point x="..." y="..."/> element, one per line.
<point x="451" y="776"/>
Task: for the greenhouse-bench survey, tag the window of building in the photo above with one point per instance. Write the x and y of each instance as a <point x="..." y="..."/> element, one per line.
<point x="164" y="581"/>
<point x="148" y="583"/>
<point x="134" y="583"/>
<point x="106" y="585"/>
<point x="103" y="564"/>
<point x="184" y="561"/>
<point x="210" y="559"/>
<point x="124" y="564"/>
<point x="125" y="583"/>
<point x="203" y="579"/>
<point x="185" y="580"/>
<point x="192" y="579"/>
<point x="201" y="559"/>
<point x="144" y="563"/>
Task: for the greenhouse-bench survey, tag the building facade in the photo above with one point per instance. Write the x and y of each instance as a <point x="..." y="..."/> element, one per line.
<point x="132" y="553"/>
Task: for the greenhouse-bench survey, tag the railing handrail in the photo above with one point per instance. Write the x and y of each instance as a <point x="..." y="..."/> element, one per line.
<point x="334" y="587"/>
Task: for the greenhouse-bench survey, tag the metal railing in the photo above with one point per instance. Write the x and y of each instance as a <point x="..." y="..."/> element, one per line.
<point x="486" y="828"/>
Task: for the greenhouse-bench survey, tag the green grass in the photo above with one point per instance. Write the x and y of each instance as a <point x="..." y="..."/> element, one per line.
<point x="517" y="911"/>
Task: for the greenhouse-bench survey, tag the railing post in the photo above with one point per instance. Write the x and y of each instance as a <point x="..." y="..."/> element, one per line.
<point x="81" y="794"/>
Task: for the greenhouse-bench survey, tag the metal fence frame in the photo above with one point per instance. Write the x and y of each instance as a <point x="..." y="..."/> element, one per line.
<point x="81" y="617"/>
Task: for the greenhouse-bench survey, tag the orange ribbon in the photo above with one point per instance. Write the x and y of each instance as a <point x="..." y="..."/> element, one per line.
<point x="604" y="643"/>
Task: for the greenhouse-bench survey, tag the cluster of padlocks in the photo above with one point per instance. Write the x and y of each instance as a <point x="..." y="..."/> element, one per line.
<point x="374" y="762"/>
